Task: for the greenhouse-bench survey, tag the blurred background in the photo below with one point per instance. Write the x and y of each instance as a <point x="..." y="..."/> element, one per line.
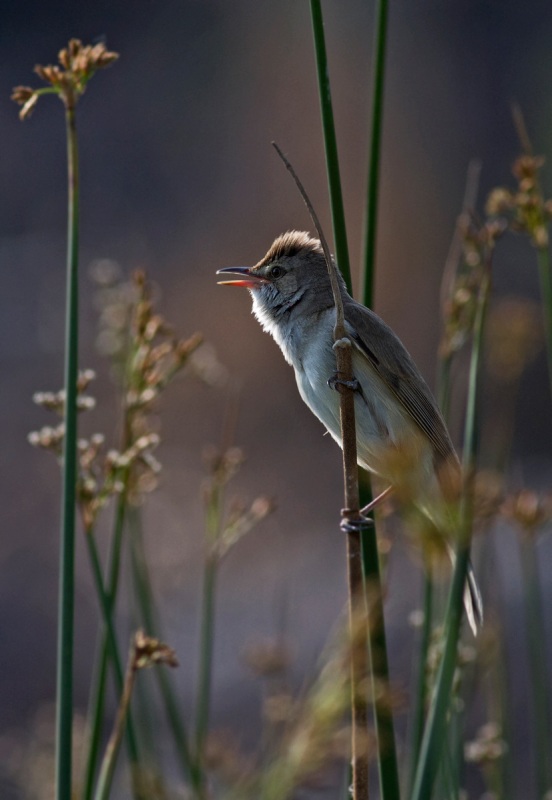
<point x="178" y="178"/>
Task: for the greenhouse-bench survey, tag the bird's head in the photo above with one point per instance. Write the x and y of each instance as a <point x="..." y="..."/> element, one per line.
<point x="292" y="278"/>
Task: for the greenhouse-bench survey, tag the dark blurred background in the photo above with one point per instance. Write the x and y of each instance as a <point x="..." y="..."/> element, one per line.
<point x="178" y="177"/>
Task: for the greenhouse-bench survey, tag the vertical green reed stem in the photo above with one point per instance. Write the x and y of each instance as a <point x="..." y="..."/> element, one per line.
<point x="107" y="771"/>
<point x="370" y="561"/>
<point x="330" y="144"/>
<point x="420" y="699"/>
<point x="149" y="617"/>
<point x="64" y="709"/>
<point x="436" y="726"/>
<point x="370" y="233"/>
<point x="387" y="753"/>
<point x="99" y="690"/>
<point x="112" y="648"/>
<point x="206" y="652"/>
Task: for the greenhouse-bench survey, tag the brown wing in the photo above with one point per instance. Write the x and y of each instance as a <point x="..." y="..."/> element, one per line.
<point x="395" y="366"/>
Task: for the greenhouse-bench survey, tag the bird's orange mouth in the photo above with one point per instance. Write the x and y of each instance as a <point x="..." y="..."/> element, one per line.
<point x="247" y="279"/>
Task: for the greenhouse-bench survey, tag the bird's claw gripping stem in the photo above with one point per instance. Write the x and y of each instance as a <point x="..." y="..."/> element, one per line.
<point x="335" y="382"/>
<point x="358" y="524"/>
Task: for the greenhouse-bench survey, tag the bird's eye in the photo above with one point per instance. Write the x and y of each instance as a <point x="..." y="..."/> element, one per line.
<point x="276" y="272"/>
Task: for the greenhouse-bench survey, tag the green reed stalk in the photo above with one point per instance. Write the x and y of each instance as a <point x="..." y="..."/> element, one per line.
<point x="66" y="610"/>
<point x="387" y="758"/>
<point x="149" y="617"/>
<point x="330" y="144"/>
<point x="436" y="726"/>
<point x="112" y="648"/>
<point x="98" y="691"/>
<point x="109" y="762"/>
<point x="420" y="698"/>
<point x="387" y="753"/>
<point x="372" y="201"/>
<point x="213" y="521"/>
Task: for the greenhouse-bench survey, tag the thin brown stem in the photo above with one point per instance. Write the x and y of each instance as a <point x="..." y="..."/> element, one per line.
<point x="350" y="514"/>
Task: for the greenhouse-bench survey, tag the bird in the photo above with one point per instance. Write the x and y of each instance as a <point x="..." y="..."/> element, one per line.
<point x="401" y="434"/>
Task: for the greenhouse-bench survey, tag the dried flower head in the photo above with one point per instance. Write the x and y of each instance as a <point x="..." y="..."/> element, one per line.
<point x="524" y="209"/>
<point x="78" y="63"/>
<point x="488" y="745"/>
<point x="149" y="651"/>
<point x="461" y="298"/>
<point x="528" y="510"/>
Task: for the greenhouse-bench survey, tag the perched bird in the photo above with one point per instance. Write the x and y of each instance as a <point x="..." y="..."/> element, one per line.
<point x="401" y="434"/>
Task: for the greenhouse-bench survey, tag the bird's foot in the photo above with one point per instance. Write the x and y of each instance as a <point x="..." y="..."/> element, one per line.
<point x="356" y="524"/>
<point x="335" y="382"/>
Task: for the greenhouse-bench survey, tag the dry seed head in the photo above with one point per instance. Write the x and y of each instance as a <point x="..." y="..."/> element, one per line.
<point x="500" y="201"/>
<point x="69" y="80"/>
<point x="22" y="94"/>
<point x="149" y="651"/>
<point x="25" y="97"/>
<point x="540" y="237"/>
<point x="48" y="438"/>
<point x="488" y="746"/>
<point x="528" y="510"/>
<point x="527" y="166"/>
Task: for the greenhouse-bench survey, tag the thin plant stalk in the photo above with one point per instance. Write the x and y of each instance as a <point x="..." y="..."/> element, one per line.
<point x="444" y="386"/>
<point x="436" y="725"/>
<point x="213" y="521"/>
<point x="330" y="144"/>
<point x="368" y="542"/>
<point x="372" y="202"/>
<point x="148" y="614"/>
<point x="540" y="675"/>
<point x="352" y="521"/>
<point x="112" y="646"/>
<point x="387" y="754"/>
<point x="64" y="708"/>
<point x="420" y="698"/>
<point x="109" y="761"/>
<point x="98" y="692"/>
<point x="205" y="672"/>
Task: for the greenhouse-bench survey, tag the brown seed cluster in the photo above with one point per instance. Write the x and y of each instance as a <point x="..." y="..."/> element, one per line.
<point x="488" y="746"/>
<point x="528" y="510"/>
<point x="149" y="357"/>
<point x="148" y="651"/>
<point x="77" y="64"/>
<point x="460" y="304"/>
<point x="225" y="528"/>
<point x="524" y="208"/>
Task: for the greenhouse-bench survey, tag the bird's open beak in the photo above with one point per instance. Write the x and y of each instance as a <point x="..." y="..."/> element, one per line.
<point x="248" y="279"/>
